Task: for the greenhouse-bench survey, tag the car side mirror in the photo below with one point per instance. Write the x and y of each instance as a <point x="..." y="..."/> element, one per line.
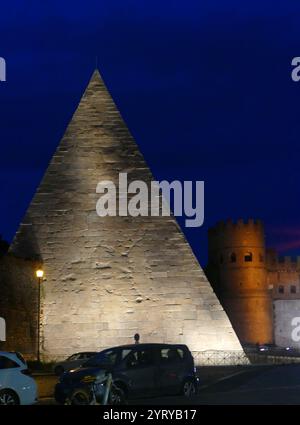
<point x="27" y="372"/>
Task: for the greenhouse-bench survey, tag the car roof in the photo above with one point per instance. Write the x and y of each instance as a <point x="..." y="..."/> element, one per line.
<point x="146" y="345"/>
<point x="11" y="355"/>
<point x="7" y="353"/>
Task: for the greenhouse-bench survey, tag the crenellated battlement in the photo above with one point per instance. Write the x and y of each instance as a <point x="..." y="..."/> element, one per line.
<point x="287" y="262"/>
<point x="231" y="234"/>
<point x="288" y="259"/>
<point x="229" y="224"/>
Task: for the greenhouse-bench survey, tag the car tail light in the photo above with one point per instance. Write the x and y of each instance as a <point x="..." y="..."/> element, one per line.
<point x="26" y="372"/>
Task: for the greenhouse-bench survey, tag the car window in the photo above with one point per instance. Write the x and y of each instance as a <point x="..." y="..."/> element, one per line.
<point x="21" y="358"/>
<point x="6" y="363"/>
<point x="171" y="355"/>
<point x="82" y="357"/>
<point x="73" y="357"/>
<point x="125" y="353"/>
<point x="106" y="358"/>
<point x="87" y="356"/>
<point x="135" y="358"/>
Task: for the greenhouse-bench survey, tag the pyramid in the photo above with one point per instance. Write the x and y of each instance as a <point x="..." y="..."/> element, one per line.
<point x="107" y="278"/>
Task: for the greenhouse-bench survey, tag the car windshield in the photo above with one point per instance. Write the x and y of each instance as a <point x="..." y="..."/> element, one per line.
<point x="106" y="358"/>
<point x="21" y="358"/>
<point x="73" y="357"/>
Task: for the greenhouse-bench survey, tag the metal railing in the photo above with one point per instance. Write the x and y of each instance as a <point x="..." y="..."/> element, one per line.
<point x="236" y="358"/>
<point x="220" y="358"/>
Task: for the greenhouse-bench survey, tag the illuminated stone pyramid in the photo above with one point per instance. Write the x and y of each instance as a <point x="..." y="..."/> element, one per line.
<point x="109" y="278"/>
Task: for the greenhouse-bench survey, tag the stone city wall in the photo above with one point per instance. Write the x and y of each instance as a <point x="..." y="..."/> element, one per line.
<point x="18" y="304"/>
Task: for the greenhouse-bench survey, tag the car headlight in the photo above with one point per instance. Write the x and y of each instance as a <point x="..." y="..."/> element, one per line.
<point x="88" y="379"/>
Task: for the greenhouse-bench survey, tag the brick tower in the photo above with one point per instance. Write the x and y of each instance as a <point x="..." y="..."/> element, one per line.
<point x="237" y="270"/>
<point x="108" y="278"/>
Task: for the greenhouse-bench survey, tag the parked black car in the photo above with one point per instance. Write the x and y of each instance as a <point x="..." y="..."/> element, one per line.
<point x="72" y="362"/>
<point x="142" y="370"/>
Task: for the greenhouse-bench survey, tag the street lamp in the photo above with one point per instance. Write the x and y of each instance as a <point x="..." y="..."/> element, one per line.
<point x="39" y="274"/>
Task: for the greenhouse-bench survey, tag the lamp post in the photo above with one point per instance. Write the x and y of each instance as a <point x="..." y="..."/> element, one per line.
<point x="39" y="275"/>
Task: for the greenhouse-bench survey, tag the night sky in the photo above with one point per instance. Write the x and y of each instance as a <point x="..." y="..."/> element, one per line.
<point x="204" y="86"/>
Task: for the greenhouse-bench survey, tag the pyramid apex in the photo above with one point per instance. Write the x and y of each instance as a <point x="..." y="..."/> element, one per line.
<point x="96" y="76"/>
<point x="95" y="93"/>
<point x="96" y="73"/>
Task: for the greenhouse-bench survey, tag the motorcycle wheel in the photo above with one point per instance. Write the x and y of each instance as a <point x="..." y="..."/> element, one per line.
<point x="80" y="397"/>
<point x="117" y="397"/>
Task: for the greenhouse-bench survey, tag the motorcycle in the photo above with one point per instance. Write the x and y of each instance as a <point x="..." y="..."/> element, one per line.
<point x="97" y="390"/>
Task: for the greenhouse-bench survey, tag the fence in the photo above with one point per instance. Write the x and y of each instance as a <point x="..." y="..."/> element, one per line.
<point x="220" y="358"/>
<point x="256" y="358"/>
<point x="236" y="358"/>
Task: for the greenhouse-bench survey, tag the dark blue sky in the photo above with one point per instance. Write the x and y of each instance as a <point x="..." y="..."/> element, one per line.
<point x="204" y="87"/>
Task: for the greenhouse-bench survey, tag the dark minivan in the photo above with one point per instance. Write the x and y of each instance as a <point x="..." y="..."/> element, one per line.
<point x="140" y="371"/>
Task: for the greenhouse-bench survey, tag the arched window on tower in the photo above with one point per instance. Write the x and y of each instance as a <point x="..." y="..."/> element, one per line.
<point x="248" y="256"/>
<point x="233" y="257"/>
<point x="281" y="289"/>
<point x="293" y="289"/>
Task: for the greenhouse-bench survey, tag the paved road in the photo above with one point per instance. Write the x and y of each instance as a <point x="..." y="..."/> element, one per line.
<point x="264" y="385"/>
<point x="274" y="385"/>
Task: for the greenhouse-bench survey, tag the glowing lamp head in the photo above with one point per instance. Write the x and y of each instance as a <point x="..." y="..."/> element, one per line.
<point x="40" y="274"/>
